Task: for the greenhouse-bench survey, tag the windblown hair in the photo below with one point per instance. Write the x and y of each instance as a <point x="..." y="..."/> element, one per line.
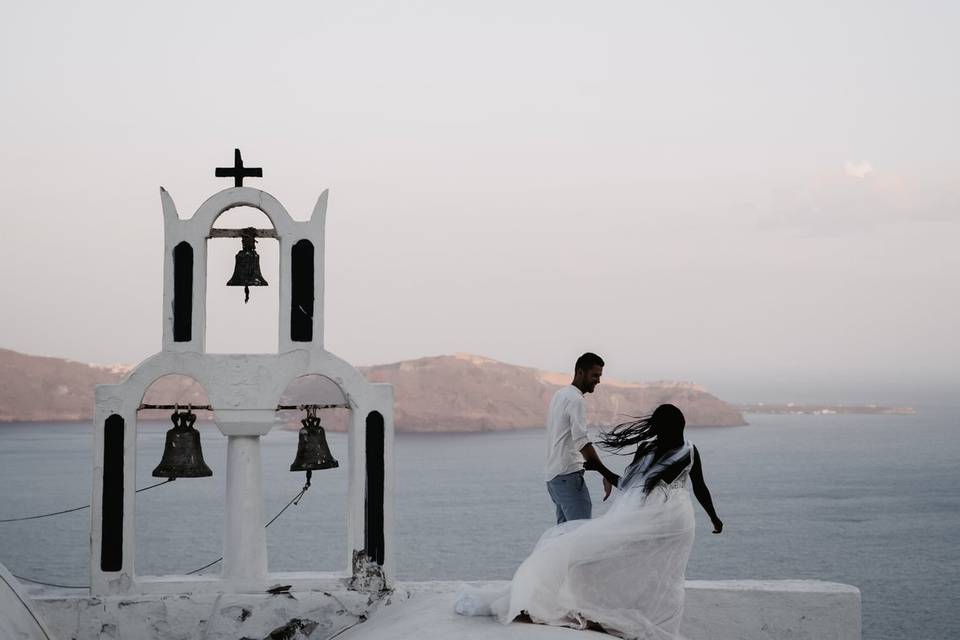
<point x="645" y="432"/>
<point x="639" y="432"/>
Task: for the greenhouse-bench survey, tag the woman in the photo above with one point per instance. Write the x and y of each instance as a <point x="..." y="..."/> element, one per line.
<point x="624" y="571"/>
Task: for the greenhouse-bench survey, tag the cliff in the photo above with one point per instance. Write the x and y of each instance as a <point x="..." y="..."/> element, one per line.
<point x="438" y="394"/>
<point x="472" y="393"/>
<point x="34" y="388"/>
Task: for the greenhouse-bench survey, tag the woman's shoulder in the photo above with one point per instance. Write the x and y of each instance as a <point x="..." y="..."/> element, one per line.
<point x="691" y="452"/>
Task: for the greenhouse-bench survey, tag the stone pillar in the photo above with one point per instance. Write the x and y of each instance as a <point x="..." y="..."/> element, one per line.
<point x="112" y="579"/>
<point x="356" y="479"/>
<point x="244" y="538"/>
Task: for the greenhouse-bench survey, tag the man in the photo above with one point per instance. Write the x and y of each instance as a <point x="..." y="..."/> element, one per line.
<point x="568" y="445"/>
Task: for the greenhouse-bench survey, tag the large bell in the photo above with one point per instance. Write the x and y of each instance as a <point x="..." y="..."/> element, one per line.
<point x="312" y="450"/>
<point x="246" y="270"/>
<point x="182" y="456"/>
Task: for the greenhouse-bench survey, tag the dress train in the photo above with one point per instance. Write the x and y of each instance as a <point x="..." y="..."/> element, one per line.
<point x="624" y="570"/>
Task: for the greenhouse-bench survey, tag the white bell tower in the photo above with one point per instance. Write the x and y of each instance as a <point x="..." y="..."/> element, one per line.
<point x="244" y="392"/>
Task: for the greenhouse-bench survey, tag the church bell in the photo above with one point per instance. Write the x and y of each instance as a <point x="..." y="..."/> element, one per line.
<point x="182" y="456"/>
<point x="246" y="270"/>
<point x="312" y="450"/>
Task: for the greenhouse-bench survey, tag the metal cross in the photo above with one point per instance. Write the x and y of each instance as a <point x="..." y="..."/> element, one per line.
<point x="238" y="172"/>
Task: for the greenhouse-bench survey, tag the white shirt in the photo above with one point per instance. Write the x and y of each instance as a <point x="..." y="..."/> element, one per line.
<point x="566" y="432"/>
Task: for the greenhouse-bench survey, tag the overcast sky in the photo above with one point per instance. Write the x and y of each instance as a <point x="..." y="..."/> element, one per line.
<point x="760" y="197"/>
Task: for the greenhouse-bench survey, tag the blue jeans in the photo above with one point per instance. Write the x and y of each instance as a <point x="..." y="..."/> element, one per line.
<point x="570" y="495"/>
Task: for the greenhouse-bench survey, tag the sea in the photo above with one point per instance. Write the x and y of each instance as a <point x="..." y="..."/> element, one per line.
<point x="867" y="500"/>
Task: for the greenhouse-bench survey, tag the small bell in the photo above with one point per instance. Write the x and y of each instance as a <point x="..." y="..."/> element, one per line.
<point x="246" y="270"/>
<point x="182" y="456"/>
<point x="312" y="450"/>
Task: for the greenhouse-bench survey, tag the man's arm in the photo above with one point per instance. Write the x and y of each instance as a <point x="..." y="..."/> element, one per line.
<point x="592" y="462"/>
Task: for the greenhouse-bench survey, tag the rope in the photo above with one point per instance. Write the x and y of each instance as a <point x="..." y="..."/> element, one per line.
<point x="25" y="606"/>
<point x="46" y="515"/>
<point x="343" y="606"/>
<point x="51" y="584"/>
<point x="360" y="620"/>
<point x="289" y="504"/>
<point x="86" y="506"/>
<point x="56" y="513"/>
<point x="293" y="501"/>
<point x="155" y="485"/>
<point x="190" y="573"/>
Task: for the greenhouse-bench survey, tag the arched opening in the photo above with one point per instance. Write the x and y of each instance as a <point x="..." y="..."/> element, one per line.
<point x="111" y="538"/>
<point x="233" y="326"/>
<point x="373" y="505"/>
<point x="311" y="536"/>
<point x="179" y="525"/>
<point x="183" y="292"/>
<point x="301" y="291"/>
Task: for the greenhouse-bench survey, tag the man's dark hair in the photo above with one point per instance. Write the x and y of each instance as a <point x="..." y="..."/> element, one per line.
<point x="587" y="361"/>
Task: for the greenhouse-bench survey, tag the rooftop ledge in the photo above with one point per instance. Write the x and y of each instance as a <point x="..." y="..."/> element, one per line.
<point x="715" y="610"/>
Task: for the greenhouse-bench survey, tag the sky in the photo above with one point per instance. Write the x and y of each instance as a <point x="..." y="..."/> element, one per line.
<point x="759" y="197"/>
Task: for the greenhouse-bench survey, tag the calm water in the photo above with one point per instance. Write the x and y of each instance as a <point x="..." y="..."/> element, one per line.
<point x="872" y="501"/>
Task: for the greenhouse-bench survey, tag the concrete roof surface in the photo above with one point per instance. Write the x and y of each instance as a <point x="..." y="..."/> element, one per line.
<point x="425" y="612"/>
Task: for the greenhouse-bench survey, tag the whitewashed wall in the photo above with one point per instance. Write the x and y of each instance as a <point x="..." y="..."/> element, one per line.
<point x="724" y="610"/>
<point x="244" y="391"/>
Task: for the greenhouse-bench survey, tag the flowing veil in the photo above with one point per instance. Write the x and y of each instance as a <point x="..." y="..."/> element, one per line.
<point x="624" y="570"/>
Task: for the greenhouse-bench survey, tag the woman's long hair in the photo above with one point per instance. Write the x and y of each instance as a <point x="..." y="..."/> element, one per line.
<point x="645" y="432"/>
<point x="649" y="433"/>
<point x="639" y="431"/>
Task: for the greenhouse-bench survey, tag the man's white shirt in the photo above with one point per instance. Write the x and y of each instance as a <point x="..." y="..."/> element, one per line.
<point x="566" y="432"/>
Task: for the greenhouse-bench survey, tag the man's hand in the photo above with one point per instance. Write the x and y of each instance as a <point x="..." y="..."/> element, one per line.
<point x="591" y="462"/>
<point x="717" y="524"/>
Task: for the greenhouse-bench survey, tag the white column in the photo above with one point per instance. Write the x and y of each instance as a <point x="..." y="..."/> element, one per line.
<point x="356" y="480"/>
<point x="244" y="539"/>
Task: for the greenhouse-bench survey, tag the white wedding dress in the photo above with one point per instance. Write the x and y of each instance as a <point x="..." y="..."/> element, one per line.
<point x="624" y="570"/>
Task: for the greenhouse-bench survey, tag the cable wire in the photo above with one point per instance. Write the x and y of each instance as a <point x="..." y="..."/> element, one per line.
<point x="56" y="513"/>
<point x="52" y="584"/>
<point x="293" y="501"/>
<point x="26" y="606"/>
<point x="86" y="506"/>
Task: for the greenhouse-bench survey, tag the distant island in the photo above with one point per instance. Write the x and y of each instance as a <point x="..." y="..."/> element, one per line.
<point x="824" y="409"/>
<point x="472" y="393"/>
<point x="450" y="393"/>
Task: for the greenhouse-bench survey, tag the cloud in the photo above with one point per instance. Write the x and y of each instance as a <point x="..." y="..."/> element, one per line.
<point x="833" y="204"/>
<point x="858" y="169"/>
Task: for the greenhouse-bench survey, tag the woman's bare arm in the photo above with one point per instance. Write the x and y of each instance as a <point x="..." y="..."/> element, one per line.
<point x="592" y="462"/>
<point x="702" y="493"/>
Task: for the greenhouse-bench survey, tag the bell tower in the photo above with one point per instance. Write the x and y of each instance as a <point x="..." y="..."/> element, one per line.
<point x="244" y="392"/>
